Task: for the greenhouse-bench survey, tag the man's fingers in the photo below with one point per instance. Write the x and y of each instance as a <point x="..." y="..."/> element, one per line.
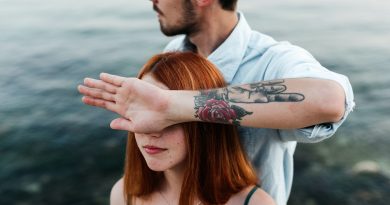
<point x="96" y="93"/>
<point x="100" y="103"/>
<point x="121" y="124"/>
<point x="93" y="83"/>
<point x="275" y="88"/>
<point x="112" y="79"/>
<point x="287" y="97"/>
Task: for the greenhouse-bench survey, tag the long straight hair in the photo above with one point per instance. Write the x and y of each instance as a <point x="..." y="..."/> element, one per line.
<point x="216" y="166"/>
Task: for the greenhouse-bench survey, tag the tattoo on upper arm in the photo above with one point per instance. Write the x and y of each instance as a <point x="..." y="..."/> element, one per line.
<point x="215" y="105"/>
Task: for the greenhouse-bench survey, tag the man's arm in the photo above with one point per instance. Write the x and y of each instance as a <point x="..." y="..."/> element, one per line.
<point x="287" y="103"/>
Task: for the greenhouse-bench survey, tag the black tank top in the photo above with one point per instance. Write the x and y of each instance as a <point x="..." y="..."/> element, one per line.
<point x="248" y="197"/>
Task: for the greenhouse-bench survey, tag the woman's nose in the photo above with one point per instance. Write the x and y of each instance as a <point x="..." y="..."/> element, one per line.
<point x="156" y="134"/>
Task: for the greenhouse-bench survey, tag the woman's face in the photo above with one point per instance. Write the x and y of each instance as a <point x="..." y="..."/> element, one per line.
<point x="166" y="149"/>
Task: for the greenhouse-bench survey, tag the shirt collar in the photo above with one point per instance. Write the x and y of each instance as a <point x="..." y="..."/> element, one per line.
<point x="228" y="56"/>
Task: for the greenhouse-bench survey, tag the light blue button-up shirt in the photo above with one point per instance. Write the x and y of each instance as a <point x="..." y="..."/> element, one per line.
<point x="248" y="56"/>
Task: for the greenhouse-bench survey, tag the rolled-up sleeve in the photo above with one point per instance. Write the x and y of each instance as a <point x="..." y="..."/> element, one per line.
<point x="295" y="62"/>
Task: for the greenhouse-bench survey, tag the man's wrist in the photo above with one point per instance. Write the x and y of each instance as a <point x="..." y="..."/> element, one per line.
<point x="181" y="106"/>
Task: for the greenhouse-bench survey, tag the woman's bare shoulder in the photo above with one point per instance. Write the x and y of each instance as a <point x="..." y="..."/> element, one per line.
<point x="259" y="197"/>
<point x="117" y="197"/>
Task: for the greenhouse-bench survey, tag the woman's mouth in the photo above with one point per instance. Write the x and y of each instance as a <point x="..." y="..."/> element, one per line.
<point x="153" y="149"/>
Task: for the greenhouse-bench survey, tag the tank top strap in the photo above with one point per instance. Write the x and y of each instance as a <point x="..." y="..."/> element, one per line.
<point x="248" y="197"/>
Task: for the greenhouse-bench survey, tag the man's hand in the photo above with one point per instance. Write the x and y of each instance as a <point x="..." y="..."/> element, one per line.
<point x="144" y="107"/>
<point x="281" y="104"/>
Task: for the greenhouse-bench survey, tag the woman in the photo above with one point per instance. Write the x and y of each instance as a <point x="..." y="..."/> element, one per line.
<point x="190" y="163"/>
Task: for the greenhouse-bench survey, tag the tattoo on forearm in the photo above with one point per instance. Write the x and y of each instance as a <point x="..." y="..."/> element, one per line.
<point x="212" y="106"/>
<point x="215" y="105"/>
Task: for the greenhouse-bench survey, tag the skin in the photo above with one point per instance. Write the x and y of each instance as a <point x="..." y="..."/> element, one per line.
<point x="132" y="99"/>
<point x="171" y="141"/>
<point x="197" y="21"/>
<point x="173" y="23"/>
<point x="146" y="108"/>
<point x="171" y="162"/>
<point x="258" y="198"/>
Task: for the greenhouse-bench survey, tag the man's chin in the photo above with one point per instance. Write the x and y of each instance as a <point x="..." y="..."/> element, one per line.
<point x="170" y="33"/>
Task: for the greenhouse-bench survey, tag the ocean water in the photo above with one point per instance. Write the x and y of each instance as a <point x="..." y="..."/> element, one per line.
<point x="55" y="150"/>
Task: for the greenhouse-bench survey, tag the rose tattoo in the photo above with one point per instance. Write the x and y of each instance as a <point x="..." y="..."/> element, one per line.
<point x="215" y="105"/>
<point x="216" y="111"/>
<point x="211" y="107"/>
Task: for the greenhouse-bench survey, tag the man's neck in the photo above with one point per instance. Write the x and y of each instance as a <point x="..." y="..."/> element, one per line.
<point x="214" y="30"/>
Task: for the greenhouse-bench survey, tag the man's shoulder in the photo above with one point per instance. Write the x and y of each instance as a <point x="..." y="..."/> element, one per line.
<point x="265" y="43"/>
<point x="282" y="53"/>
<point x="175" y="44"/>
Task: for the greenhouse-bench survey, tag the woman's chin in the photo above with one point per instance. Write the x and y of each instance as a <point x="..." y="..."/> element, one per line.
<point x="156" y="167"/>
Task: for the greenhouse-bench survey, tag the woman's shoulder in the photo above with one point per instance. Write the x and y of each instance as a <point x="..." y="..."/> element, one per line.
<point x="253" y="196"/>
<point x="117" y="196"/>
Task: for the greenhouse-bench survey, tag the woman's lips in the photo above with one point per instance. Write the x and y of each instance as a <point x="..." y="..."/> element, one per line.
<point x="153" y="150"/>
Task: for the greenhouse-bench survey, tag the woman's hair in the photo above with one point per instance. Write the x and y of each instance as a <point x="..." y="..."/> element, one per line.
<point x="216" y="166"/>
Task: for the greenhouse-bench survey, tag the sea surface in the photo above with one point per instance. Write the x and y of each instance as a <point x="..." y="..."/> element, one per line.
<point x="55" y="150"/>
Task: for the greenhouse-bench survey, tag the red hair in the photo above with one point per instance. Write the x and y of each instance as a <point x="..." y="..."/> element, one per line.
<point x="216" y="165"/>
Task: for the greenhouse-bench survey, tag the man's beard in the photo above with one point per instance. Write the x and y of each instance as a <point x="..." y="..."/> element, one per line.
<point x="188" y="26"/>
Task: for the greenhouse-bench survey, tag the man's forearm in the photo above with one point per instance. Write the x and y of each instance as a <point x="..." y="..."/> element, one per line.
<point x="289" y="103"/>
<point x="145" y="108"/>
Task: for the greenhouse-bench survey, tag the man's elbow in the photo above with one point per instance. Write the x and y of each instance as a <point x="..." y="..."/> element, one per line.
<point x="333" y="106"/>
<point x="336" y="113"/>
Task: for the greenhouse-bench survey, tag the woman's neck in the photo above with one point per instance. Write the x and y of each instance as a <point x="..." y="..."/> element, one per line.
<point x="171" y="187"/>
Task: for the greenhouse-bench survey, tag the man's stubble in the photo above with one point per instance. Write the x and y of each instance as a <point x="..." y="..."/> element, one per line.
<point x="189" y="24"/>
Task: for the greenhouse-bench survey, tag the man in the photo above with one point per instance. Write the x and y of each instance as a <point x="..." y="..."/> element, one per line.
<point x="291" y="98"/>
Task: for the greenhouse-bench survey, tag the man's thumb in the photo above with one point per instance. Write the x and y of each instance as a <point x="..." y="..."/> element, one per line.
<point x="121" y="124"/>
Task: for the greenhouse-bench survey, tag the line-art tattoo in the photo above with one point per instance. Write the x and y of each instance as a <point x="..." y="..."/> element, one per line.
<point x="215" y="105"/>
